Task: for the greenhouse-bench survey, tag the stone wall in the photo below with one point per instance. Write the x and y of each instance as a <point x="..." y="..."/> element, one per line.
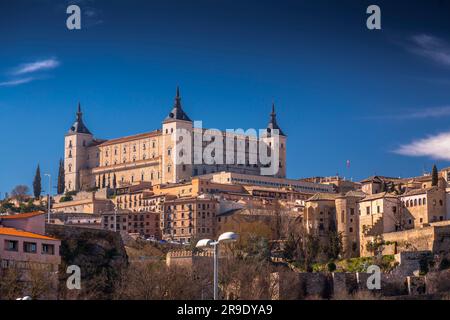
<point x="187" y="258"/>
<point x="434" y="238"/>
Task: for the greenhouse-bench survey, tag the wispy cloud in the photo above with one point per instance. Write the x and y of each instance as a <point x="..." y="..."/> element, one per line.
<point x="28" y="72"/>
<point x="436" y="147"/>
<point x="36" y="66"/>
<point x="432" y="112"/>
<point x="16" y="82"/>
<point x="431" y="47"/>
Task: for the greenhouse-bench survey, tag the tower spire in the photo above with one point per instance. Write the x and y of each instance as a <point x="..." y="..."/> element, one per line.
<point x="79" y="113"/>
<point x="177" y="112"/>
<point x="78" y="126"/>
<point x="273" y="121"/>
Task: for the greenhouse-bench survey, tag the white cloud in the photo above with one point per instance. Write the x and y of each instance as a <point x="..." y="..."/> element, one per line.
<point x="16" y="82"/>
<point x="432" y="112"/>
<point x="36" y="66"/>
<point x="436" y="147"/>
<point x="432" y="48"/>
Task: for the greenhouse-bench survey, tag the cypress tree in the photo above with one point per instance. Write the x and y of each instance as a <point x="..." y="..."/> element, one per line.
<point x="114" y="182"/>
<point x="37" y="187"/>
<point x="434" y="176"/>
<point x="61" y="177"/>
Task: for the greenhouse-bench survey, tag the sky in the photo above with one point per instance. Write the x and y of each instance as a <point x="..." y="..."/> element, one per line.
<point x="378" y="98"/>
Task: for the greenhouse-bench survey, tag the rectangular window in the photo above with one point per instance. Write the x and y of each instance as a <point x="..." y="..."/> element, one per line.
<point x="11" y="245"/>
<point x="48" y="248"/>
<point x="29" y="247"/>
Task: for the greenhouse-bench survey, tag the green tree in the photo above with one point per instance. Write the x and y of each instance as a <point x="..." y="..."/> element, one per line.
<point x="114" y="182"/>
<point x="434" y="176"/>
<point x="61" y="177"/>
<point x="37" y="187"/>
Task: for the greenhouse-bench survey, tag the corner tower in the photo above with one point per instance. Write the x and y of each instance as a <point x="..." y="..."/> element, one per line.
<point x="77" y="140"/>
<point x="279" y="147"/>
<point x="174" y="167"/>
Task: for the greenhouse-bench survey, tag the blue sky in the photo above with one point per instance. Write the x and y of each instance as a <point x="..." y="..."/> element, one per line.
<point x="377" y="98"/>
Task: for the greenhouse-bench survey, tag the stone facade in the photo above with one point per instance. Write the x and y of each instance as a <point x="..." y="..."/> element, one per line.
<point x="154" y="156"/>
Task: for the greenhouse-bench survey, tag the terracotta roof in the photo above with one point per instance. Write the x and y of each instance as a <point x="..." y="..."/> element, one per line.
<point x="20" y="233"/>
<point x="131" y="138"/>
<point x="356" y="193"/>
<point x="21" y="215"/>
<point x="323" y="197"/>
<point x="414" y="192"/>
<point x="379" y="196"/>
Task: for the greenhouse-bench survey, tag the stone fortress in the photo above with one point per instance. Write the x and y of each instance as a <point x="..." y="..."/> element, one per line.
<point x="152" y="156"/>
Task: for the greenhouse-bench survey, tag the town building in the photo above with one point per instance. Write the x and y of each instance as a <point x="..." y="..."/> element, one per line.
<point x="143" y="223"/>
<point x="187" y="219"/>
<point x="24" y="245"/>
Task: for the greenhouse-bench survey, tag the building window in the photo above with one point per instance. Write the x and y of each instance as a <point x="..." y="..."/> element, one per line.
<point x="48" y="249"/>
<point x="367" y="210"/>
<point x="29" y="247"/>
<point x="11" y="245"/>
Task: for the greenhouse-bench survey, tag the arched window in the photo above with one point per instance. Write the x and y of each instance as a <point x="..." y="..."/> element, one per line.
<point x="424" y="201"/>
<point x="70" y="167"/>
<point x="420" y="201"/>
<point x="415" y="202"/>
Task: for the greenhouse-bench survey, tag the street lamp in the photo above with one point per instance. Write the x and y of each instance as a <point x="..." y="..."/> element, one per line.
<point x="49" y="199"/>
<point x="226" y="237"/>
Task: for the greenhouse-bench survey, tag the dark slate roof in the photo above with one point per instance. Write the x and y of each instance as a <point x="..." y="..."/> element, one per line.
<point x="177" y="112"/>
<point x="78" y="126"/>
<point x="273" y="122"/>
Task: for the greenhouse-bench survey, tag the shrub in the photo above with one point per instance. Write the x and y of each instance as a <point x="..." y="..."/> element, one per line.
<point x="331" y="267"/>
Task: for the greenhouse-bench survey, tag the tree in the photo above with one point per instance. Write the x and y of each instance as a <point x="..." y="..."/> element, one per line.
<point x="20" y="192"/>
<point x="434" y="176"/>
<point x="114" y="182"/>
<point x="37" y="187"/>
<point x="61" y="177"/>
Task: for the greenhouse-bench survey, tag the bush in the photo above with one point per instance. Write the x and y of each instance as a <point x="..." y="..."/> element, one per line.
<point x="331" y="267"/>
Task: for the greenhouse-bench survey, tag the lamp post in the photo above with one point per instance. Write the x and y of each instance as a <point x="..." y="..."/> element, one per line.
<point x="115" y="218"/>
<point x="49" y="196"/>
<point x="226" y="237"/>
